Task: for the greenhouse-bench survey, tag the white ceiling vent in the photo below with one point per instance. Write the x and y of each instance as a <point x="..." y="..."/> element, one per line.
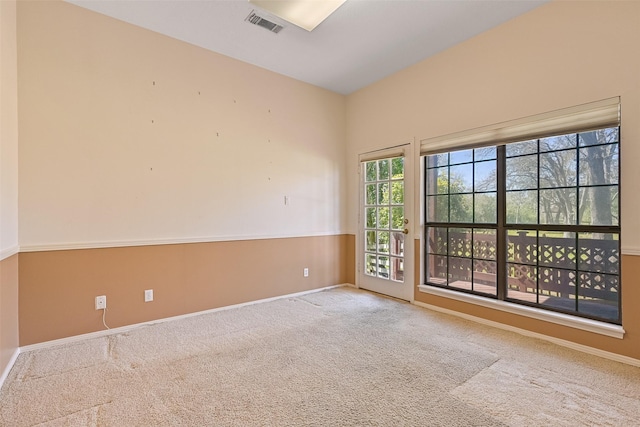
<point x="263" y="22"/>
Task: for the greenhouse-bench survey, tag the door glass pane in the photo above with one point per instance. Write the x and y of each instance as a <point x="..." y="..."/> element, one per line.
<point x="371" y="219"/>
<point x="370" y="191"/>
<point x="383" y="242"/>
<point x="383" y="218"/>
<point x="371" y="171"/>
<point x="397" y="269"/>
<point x="384" y="211"/>
<point x="397" y="243"/>
<point x="370" y="267"/>
<point x="397" y="218"/>
<point x="383" y="169"/>
<point x="397" y="192"/>
<point x="383" y="193"/>
<point x="383" y="267"/>
<point x="397" y="168"/>
<point x="370" y="241"/>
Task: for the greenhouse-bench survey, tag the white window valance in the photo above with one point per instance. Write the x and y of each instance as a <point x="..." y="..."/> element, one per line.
<point x="585" y="117"/>
<point x="385" y="153"/>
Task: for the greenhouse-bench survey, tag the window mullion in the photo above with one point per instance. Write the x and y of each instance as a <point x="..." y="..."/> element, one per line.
<point x="501" y="233"/>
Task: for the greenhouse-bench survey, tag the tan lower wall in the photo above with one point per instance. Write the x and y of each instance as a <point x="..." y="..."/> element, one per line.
<point x="8" y="310"/>
<point x="351" y="259"/>
<point x="628" y="346"/>
<point x="58" y="288"/>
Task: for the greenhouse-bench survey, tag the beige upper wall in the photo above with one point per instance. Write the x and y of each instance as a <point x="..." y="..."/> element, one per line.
<point x="130" y="136"/>
<point x="559" y="55"/>
<point x="8" y="130"/>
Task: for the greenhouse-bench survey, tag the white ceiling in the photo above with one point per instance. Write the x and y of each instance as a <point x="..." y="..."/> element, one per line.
<point x="361" y="43"/>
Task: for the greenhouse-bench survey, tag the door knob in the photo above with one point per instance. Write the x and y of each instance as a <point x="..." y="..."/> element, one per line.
<point x="405" y="231"/>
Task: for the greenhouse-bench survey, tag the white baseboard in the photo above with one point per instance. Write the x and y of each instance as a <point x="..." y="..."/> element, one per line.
<point x="7" y="368"/>
<point x="564" y="343"/>
<point x="589" y="325"/>
<point x="113" y="331"/>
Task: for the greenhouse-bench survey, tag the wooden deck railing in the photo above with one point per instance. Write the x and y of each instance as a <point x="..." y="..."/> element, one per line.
<point x="565" y="267"/>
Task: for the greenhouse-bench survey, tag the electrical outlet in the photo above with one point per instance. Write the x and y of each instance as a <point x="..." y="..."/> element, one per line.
<point x="148" y="295"/>
<point x="101" y="302"/>
<point x="305" y="272"/>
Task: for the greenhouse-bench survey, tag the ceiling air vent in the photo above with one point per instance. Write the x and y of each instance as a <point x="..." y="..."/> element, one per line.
<point x="263" y="22"/>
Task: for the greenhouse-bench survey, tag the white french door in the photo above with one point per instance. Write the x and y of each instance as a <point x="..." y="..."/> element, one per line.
<point x="385" y="248"/>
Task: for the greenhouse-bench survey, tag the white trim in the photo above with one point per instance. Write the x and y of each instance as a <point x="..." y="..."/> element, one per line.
<point x="602" y="328"/>
<point x="9" y="252"/>
<point x="564" y="343"/>
<point x="157" y="242"/>
<point x="630" y="251"/>
<point x="9" y="366"/>
<point x="400" y="290"/>
<point x="113" y="331"/>
<point x="6" y="253"/>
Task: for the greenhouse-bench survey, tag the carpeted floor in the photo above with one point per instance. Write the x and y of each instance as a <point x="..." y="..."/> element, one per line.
<point x="341" y="357"/>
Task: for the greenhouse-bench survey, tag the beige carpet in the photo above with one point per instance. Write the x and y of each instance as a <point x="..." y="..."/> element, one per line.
<point x="335" y="358"/>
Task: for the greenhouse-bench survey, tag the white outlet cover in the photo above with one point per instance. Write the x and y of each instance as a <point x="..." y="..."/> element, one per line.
<point x="148" y="295"/>
<point x="101" y="302"/>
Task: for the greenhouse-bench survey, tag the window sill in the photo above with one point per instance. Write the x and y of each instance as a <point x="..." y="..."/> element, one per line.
<point x="602" y="328"/>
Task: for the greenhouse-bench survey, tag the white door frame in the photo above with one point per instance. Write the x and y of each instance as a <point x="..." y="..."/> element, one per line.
<point x="406" y="149"/>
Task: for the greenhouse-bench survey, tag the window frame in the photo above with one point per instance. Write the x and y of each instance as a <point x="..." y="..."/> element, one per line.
<point x="502" y="228"/>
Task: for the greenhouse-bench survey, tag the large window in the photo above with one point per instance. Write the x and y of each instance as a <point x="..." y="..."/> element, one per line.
<point x="534" y="222"/>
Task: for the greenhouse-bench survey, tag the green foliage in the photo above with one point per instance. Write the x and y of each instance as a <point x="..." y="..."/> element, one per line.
<point x="386" y="201"/>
